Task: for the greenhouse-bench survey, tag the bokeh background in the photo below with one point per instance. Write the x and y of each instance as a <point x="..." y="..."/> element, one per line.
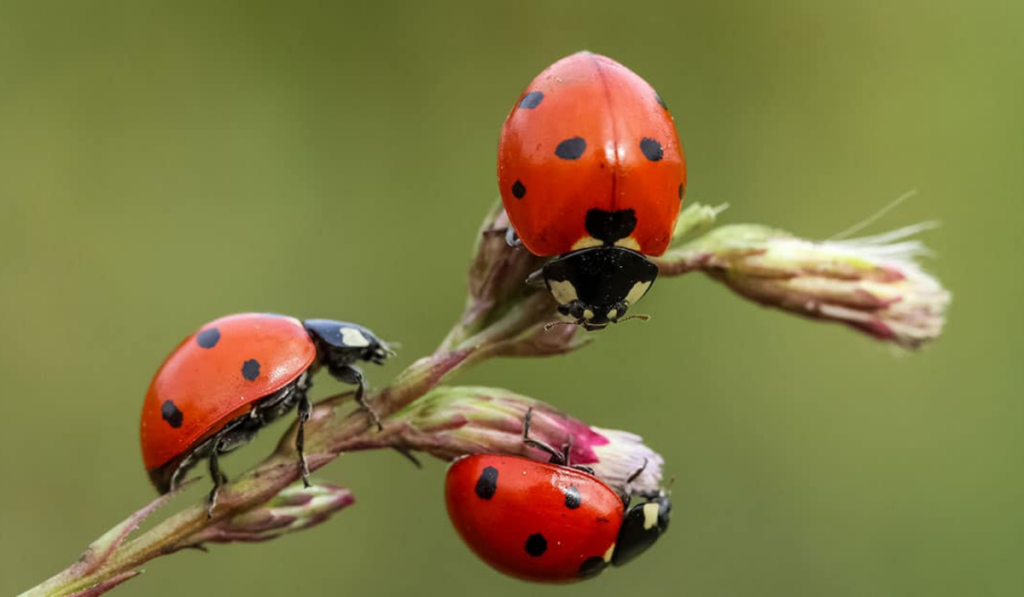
<point x="162" y="164"/>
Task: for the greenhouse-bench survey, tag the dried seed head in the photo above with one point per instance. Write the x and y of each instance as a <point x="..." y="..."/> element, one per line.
<point x="871" y="284"/>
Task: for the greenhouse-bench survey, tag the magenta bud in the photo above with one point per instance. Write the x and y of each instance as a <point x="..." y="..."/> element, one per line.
<point x="453" y="421"/>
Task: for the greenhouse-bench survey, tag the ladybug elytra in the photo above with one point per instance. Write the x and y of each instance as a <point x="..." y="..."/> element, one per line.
<point x="547" y="522"/>
<point x="591" y="171"/>
<point x="235" y="375"/>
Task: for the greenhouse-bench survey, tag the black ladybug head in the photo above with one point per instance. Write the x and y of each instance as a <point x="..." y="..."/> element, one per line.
<point x="341" y="343"/>
<point x="597" y="286"/>
<point x="643" y="525"/>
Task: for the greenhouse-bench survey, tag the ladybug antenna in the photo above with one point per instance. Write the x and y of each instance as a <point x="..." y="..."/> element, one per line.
<point x="554" y="324"/>
<point x="640" y="316"/>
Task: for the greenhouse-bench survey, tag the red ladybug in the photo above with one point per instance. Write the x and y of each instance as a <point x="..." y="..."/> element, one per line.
<point x="235" y="375"/>
<point x="591" y="169"/>
<point x="547" y="522"/>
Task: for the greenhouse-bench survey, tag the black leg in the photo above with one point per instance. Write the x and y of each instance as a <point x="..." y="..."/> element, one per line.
<point x="349" y="374"/>
<point x="305" y="411"/>
<point x="219" y="478"/>
<point x="556" y="457"/>
<point x="409" y="456"/>
<point x="175" y="478"/>
<point x="628" y="496"/>
<point x="566" y="456"/>
<point x="637" y="473"/>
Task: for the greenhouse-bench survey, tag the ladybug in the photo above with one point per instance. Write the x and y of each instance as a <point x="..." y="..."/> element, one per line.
<point x="236" y="374"/>
<point x="591" y="171"/>
<point x="548" y="522"/>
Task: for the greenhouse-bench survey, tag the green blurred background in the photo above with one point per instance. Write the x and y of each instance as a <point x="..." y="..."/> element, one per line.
<point x="162" y="164"/>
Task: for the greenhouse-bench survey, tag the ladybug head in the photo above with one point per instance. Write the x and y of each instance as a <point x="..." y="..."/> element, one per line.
<point x="596" y="286"/>
<point x="340" y="343"/>
<point x="642" y="526"/>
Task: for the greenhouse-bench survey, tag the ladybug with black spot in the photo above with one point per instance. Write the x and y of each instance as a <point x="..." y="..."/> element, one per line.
<point x="591" y="171"/>
<point x="548" y="522"/>
<point x="235" y="375"/>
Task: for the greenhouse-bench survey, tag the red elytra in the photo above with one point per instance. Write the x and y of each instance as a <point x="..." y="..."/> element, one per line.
<point x="532" y="520"/>
<point x="216" y="376"/>
<point x="590" y="134"/>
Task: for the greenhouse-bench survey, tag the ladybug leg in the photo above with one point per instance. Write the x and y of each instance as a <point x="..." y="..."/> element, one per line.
<point x="409" y="456"/>
<point x="628" y="495"/>
<point x="351" y="375"/>
<point x="512" y="239"/>
<point x="305" y="411"/>
<point x="566" y="460"/>
<point x="536" y="280"/>
<point x="637" y="473"/>
<point x="556" y="457"/>
<point x="219" y="478"/>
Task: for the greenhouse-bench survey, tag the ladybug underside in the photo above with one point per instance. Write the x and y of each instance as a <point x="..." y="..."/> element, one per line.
<point x="235" y="433"/>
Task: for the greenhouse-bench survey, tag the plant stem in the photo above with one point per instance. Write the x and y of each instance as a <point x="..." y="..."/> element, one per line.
<point x="332" y="429"/>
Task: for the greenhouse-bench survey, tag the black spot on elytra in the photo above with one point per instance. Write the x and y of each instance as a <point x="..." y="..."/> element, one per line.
<point x="680" y="192"/>
<point x="536" y="545"/>
<point x="592" y="566"/>
<point x="171" y="414"/>
<point x="610" y="226"/>
<point x="531" y="100"/>
<point x="208" y="338"/>
<point x="251" y="369"/>
<point x="487" y="484"/>
<point x="660" y="101"/>
<point x="652" y="149"/>
<point x="518" y="190"/>
<point x="571" y="149"/>
<point x="573" y="499"/>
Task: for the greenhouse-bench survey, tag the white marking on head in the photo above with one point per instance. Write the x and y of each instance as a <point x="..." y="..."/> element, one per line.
<point x="628" y="243"/>
<point x="651" y="510"/>
<point x="613" y="313"/>
<point x="588" y="314"/>
<point x="354" y="338"/>
<point x="564" y="292"/>
<point x="637" y="292"/>
<point x="586" y="242"/>
<point x="608" y="554"/>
